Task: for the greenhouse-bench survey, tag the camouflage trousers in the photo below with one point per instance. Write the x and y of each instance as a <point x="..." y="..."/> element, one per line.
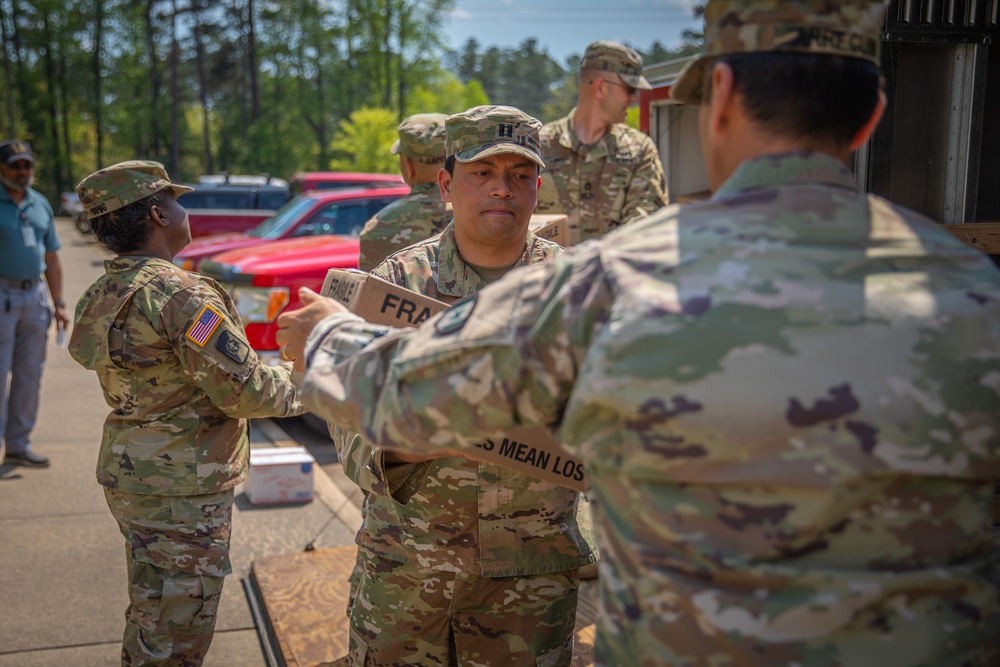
<point x="408" y="615"/>
<point x="178" y="556"/>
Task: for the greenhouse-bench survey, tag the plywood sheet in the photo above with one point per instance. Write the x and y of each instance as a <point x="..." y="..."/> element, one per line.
<point x="305" y="597"/>
<point x="984" y="236"/>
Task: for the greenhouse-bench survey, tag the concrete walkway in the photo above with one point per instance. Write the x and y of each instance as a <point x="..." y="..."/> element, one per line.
<point x="62" y="561"/>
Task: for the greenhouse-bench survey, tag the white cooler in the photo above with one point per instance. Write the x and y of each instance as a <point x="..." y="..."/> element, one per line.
<point x="280" y="475"/>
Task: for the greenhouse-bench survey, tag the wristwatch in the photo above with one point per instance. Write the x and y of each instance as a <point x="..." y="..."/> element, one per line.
<point x="59" y="303"/>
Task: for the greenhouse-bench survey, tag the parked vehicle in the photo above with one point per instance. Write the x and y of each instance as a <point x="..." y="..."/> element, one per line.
<point x="337" y="180"/>
<point x="224" y="203"/>
<point x="69" y="203"/>
<point x="264" y="280"/>
<point x="342" y="212"/>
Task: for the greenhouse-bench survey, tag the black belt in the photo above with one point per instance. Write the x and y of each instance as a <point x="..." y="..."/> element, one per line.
<point x="20" y="284"/>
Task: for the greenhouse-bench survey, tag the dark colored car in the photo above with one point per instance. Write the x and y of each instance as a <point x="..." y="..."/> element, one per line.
<point x="338" y="180"/>
<point x="341" y="212"/>
<point x="228" y="203"/>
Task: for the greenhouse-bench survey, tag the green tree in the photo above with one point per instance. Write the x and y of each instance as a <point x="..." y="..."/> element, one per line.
<point x="363" y="142"/>
<point x="444" y="93"/>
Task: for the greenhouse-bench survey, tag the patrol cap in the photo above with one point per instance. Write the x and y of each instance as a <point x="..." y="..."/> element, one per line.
<point x="421" y="137"/>
<point x="121" y="184"/>
<point x="851" y="28"/>
<point x="491" y="130"/>
<point x="13" y="150"/>
<point x="617" y="59"/>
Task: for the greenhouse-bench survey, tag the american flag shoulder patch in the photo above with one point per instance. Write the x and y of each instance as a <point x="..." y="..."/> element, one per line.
<point x="204" y="326"/>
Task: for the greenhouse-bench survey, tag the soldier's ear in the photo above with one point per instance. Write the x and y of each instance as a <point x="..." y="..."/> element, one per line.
<point x="444" y="183"/>
<point x="157" y="215"/>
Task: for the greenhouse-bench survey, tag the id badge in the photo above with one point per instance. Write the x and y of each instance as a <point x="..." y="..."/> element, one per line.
<point x="29" y="236"/>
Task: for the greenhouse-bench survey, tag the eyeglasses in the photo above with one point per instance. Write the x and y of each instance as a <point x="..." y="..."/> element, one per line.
<point x="631" y="90"/>
<point x="22" y="165"/>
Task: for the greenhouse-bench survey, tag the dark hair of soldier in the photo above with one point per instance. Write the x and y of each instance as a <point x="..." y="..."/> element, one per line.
<point x="780" y="93"/>
<point x="125" y="230"/>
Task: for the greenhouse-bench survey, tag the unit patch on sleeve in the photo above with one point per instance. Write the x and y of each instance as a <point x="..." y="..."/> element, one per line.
<point x="232" y="347"/>
<point x="455" y="317"/>
<point x="204" y="326"/>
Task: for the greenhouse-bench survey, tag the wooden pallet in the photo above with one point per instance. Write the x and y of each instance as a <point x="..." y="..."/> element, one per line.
<point x="305" y="594"/>
<point x="983" y="236"/>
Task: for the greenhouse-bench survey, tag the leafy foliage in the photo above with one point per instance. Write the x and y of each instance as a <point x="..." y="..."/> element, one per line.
<point x="248" y="86"/>
<point x="363" y="142"/>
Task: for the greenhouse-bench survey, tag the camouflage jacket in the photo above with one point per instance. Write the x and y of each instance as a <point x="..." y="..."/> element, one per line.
<point x="452" y="513"/>
<point x="615" y="181"/>
<point x="169" y="351"/>
<point x="415" y="217"/>
<point x="788" y="401"/>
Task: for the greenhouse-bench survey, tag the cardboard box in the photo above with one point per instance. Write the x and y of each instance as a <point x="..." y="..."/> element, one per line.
<point x="377" y="300"/>
<point x="554" y="227"/>
<point x="531" y="450"/>
<point x="280" y="475"/>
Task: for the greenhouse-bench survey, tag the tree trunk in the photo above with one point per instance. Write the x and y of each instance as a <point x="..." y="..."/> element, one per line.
<point x="175" y="138"/>
<point x="50" y="101"/>
<point x="154" y="78"/>
<point x="242" y="73"/>
<point x="400" y="79"/>
<point x="252" y="64"/>
<point x="206" y="135"/>
<point x="26" y="101"/>
<point x="98" y="95"/>
<point x="387" y="52"/>
<point x="8" y="74"/>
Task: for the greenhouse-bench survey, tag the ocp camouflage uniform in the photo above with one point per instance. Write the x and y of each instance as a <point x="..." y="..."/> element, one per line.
<point x="433" y="529"/>
<point x="422" y="213"/>
<point x="788" y="401"/>
<point x="599" y="187"/>
<point x="417" y="216"/>
<point x="169" y="350"/>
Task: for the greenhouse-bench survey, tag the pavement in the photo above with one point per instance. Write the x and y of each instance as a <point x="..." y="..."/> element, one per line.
<point x="62" y="560"/>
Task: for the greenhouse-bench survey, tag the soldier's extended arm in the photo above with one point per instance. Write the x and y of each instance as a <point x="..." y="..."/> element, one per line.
<point x="212" y="349"/>
<point x="507" y="356"/>
<point x="647" y="191"/>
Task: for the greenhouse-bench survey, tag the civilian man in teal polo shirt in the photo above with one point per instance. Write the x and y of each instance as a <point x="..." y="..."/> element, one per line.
<point x="28" y="246"/>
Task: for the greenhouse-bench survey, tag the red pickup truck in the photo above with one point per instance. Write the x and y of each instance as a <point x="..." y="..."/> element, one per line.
<point x="264" y="280"/>
<point x="342" y="212"/>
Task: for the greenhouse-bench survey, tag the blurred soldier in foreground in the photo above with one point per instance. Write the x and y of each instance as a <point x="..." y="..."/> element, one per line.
<point x="787" y="396"/>
<point x="420" y="214"/>
<point x="181" y="379"/>
<point x="601" y="172"/>
<point x="465" y="562"/>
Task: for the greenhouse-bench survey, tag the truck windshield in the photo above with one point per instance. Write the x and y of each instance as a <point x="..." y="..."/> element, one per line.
<point x="278" y="225"/>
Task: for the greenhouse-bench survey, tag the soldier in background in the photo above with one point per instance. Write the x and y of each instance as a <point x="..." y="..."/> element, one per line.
<point x="181" y="379"/>
<point x="466" y="562"/>
<point x="601" y="172"/>
<point x="420" y="214"/>
<point x="787" y="396"/>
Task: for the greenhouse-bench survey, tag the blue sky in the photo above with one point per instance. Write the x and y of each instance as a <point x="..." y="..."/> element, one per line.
<point x="564" y="27"/>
